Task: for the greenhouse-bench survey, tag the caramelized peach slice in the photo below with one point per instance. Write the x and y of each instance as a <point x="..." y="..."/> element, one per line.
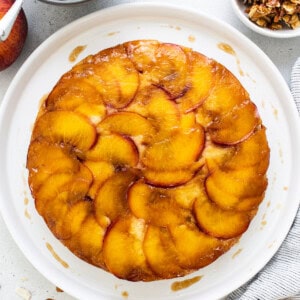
<point x="185" y="195"/>
<point x="115" y="149"/>
<point x="142" y="54"/>
<point x="226" y="93"/>
<point x="111" y="200"/>
<point x="88" y="241"/>
<point x="217" y="155"/>
<point x="196" y="249"/>
<point x="156" y="206"/>
<point x="187" y="121"/>
<point x="250" y="152"/>
<point x="123" y="250"/>
<point x="94" y="112"/>
<point x="69" y="93"/>
<point x="77" y="185"/>
<point x="218" y="222"/>
<point x="243" y="182"/>
<point x="127" y="123"/>
<point x="45" y="159"/>
<point x="168" y="178"/>
<point x="240" y="189"/>
<point x="172" y="153"/>
<point x="160" y="252"/>
<point x="235" y="126"/>
<point x="164" y="65"/>
<point x="200" y="80"/>
<point x="51" y="158"/>
<point x="101" y="171"/>
<point x="65" y="127"/>
<point x="113" y="74"/>
<point x="68" y="224"/>
<point x="154" y="104"/>
<point x="51" y="188"/>
<point x="170" y="69"/>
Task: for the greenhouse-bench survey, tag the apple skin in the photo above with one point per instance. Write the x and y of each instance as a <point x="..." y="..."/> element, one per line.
<point x="11" y="48"/>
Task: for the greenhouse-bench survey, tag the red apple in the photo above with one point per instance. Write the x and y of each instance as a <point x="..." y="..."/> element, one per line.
<point x="11" y="48"/>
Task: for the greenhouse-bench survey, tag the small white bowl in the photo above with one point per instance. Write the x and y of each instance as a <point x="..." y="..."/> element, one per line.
<point x="239" y="9"/>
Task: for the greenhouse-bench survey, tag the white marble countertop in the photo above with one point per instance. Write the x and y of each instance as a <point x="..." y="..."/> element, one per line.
<point x="44" y="20"/>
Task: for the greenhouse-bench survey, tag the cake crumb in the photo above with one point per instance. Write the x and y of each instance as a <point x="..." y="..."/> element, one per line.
<point x="23" y="293"/>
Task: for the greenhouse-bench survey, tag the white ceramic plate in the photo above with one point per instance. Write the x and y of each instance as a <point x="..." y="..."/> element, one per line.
<point x="239" y="9"/>
<point x="169" y="24"/>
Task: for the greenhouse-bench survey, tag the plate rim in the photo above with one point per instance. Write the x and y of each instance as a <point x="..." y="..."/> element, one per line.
<point x="71" y="289"/>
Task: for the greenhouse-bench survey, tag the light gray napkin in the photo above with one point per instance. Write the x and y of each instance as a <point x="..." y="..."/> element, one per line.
<point x="281" y="276"/>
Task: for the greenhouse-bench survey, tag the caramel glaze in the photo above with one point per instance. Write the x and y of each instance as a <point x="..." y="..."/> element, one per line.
<point x="179" y="285"/>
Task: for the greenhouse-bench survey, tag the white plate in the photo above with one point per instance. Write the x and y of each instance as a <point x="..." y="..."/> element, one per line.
<point x="169" y="24"/>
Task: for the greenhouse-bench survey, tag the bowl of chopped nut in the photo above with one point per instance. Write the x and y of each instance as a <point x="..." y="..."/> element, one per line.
<point x="273" y="18"/>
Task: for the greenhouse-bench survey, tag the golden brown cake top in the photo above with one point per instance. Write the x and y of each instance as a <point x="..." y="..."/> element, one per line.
<point x="148" y="160"/>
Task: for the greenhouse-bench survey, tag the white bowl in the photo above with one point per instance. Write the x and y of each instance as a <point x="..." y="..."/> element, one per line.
<point x="167" y="23"/>
<point x="239" y="9"/>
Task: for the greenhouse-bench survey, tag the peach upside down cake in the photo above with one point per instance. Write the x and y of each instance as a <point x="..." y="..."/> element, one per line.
<point x="148" y="160"/>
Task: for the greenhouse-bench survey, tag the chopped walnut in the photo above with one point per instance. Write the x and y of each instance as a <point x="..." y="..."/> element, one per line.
<point x="274" y="14"/>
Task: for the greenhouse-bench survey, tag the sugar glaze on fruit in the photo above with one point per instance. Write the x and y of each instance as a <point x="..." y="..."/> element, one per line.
<point x="148" y="160"/>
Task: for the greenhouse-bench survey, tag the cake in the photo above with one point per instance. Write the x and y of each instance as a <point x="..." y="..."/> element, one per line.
<point x="148" y="160"/>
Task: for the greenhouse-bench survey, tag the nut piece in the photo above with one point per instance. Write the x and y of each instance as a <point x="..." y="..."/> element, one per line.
<point x="274" y="14"/>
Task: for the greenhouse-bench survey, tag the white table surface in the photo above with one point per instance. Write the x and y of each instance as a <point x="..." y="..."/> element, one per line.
<point x="44" y="20"/>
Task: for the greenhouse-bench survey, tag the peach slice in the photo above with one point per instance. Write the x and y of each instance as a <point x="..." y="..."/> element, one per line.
<point x="243" y="182"/>
<point x="172" y="153"/>
<point x="111" y="199"/>
<point x="240" y="189"/>
<point x="226" y="93"/>
<point x="200" y="80"/>
<point x="170" y="69"/>
<point x="45" y="159"/>
<point x="113" y="74"/>
<point x="77" y="185"/>
<point x="168" y="178"/>
<point x="66" y="222"/>
<point x="196" y="249"/>
<point x="126" y="123"/>
<point x="51" y="188"/>
<point x="88" y="241"/>
<point x="142" y="54"/>
<point x="155" y="105"/>
<point x="69" y="94"/>
<point x="65" y="127"/>
<point x="235" y="126"/>
<point x="187" y="121"/>
<point x="101" y="171"/>
<point x="162" y="64"/>
<point x="94" y="112"/>
<point x="250" y="152"/>
<point x="156" y="206"/>
<point x="185" y="195"/>
<point x="115" y="149"/>
<point x="123" y="250"/>
<point x="160" y="252"/>
<point x="217" y="155"/>
<point x="218" y="222"/>
<point x="51" y="158"/>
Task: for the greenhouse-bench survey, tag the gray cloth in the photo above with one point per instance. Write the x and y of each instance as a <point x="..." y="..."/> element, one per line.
<point x="281" y="276"/>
